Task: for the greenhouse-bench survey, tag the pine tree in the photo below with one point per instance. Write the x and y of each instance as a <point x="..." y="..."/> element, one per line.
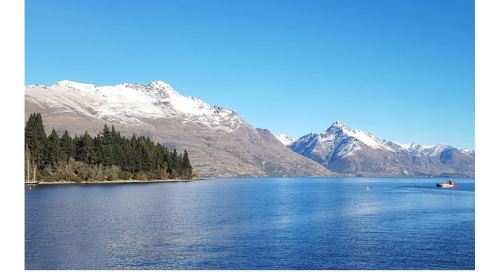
<point x="187" y="170"/>
<point x="116" y="147"/>
<point x="67" y="146"/>
<point x="175" y="164"/>
<point x="52" y="152"/>
<point x="35" y="136"/>
<point x="85" y="149"/>
<point x="104" y="147"/>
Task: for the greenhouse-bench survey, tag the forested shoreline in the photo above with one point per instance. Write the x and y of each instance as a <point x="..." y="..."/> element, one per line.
<point x="108" y="156"/>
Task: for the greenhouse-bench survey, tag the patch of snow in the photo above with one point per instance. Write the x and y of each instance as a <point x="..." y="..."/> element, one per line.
<point x="425" y="150"/>
<point x="284" y="139"/>
<point x="468" y="151"/>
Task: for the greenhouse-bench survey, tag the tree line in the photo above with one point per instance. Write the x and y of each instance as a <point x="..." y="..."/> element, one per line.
<point x="107" y="156"/>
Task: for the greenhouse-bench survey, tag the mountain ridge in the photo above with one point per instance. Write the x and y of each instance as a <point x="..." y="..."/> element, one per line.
<point x="220" y="142"/>
<point x="345" y="150"/>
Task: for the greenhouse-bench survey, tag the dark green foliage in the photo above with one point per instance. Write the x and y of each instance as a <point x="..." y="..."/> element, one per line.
<point x="186" y="165"/>
<point x="35" y="136"/>
<point x="108" y="155"/>
<point x="85" y="150"/>
<point x="67" y="146"/>
<point x="52" y="151"/>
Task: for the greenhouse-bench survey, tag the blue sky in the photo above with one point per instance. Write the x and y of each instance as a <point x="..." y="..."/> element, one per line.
<point x="401" y="69"/>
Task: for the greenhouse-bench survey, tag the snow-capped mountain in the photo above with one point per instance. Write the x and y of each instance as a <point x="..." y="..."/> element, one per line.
<point x="353" y="151"/>
<point x="219" y="141"/>
<point x="129" y="103"/>
<point x="285" y="139"/>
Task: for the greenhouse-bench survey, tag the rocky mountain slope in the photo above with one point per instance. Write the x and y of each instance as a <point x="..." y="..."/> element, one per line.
<point x="219" y="141"/>
<point x="351" y="151"/>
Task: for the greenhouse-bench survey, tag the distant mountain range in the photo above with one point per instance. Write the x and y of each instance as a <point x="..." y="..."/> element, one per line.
<point x="219" y="141"/>
<point x="351" y="151"/>
<point x="222" y="143"/>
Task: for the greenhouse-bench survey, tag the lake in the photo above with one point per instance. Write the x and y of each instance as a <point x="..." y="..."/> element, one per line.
<point x="252" y="223"/>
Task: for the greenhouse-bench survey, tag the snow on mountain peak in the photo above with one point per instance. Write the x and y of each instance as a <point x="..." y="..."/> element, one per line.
<point x="347" y="150"/>
<point x="342" y="130"/>
<point x="160" y="84"/>
<point x="70" y="83"/>
<point x="285" y="139"/>
<point x="74" y="86"/>
<point x="161" y="87"/>
<point x="429" y="150"/>
<point x="343" y="141"/>
<point x="468" y="151"/>
<point x="128" y="103"/>
<point x="337" y="125"/>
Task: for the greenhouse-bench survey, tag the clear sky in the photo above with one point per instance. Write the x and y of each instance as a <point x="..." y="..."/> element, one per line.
<point x="401" y="69"/>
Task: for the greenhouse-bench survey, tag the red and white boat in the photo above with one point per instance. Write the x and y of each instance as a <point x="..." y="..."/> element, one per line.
<point x="447" y="184"/>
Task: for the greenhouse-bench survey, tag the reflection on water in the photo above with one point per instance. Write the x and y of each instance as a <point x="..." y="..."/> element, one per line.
<point x="264" y="223"/>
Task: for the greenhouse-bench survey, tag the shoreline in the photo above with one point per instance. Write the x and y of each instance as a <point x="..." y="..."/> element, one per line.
<point x="113" y="182"/>
<point x="225" y="177"/>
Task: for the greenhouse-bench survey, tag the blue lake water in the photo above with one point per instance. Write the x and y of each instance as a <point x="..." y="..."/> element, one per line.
<point x="257" y="223"/>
